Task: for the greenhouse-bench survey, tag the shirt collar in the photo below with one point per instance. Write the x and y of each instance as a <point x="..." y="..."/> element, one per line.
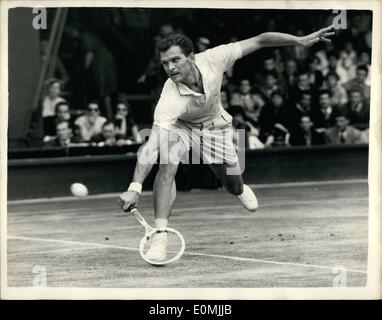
<point x="184" y="90"/>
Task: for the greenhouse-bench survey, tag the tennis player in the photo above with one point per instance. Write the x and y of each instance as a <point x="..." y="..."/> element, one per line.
<point x="189" y="114"/>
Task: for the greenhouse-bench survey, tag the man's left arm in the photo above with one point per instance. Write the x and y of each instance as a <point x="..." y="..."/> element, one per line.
<point x="276" y="39"/>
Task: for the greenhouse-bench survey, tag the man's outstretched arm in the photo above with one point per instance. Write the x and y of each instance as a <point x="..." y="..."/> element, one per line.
<point x="276" y="39"/>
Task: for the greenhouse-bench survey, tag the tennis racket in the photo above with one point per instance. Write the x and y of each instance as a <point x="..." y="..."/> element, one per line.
<point x="175" y="241"/>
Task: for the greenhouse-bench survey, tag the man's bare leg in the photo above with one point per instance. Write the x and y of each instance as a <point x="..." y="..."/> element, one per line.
<point x="164" y="190"/>
<point x="234" y="184"/>
<point x="164" y="197"/>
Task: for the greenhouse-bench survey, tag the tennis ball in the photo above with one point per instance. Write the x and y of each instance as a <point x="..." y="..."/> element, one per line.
<point x="79" y="190"/>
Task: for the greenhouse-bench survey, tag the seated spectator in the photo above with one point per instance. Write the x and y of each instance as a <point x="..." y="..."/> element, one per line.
<point x="336" y="67"/>
<point x="227" y="85"/>
<point x="224" y="99"/>
<point x="315" y="76"/>
<point x="110" y="137"/>
<point x="62" y="114"/>
<point x="252" y="103"/>
<point x="342" y="132"/>
<point x="359" y="82"/>
<point x="269" y="66"/>
<point x="306" y="135"/>
<point x="90" y="124"/>
<point x="63" y="137"/>
<point x="50" y="101"/>
<point x="269" y="86"/>
<point x="235" y="99"/>
<point x="324" y="116"/>
<point x="302" y="86"/>
<point x="302" y="108"/>
<point x="273" y="122"/>
<point x="202" y="44"/>
<point x="364" y="59"/>
<point x="251" y="133"/>
<point x="347" y="58"/>
<point x="338" y="93"/>
<point x="289" y="76"/>
<point x="358" y="110"/>
<point x="125" y="124"/>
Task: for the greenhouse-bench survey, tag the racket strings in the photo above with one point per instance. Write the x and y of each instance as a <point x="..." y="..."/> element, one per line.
<point x="163" y="240"/>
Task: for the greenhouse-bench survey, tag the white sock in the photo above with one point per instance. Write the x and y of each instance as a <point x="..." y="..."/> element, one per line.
<point x="161" y="223"/>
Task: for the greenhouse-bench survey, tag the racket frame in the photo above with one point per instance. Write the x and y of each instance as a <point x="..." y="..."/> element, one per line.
<point x="149" y="232"/>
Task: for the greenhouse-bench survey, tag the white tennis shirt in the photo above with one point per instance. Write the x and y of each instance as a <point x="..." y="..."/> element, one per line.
<point x="177" y="101"/>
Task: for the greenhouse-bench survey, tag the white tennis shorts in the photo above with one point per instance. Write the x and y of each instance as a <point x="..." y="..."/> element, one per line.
<point x="211" y="141"/>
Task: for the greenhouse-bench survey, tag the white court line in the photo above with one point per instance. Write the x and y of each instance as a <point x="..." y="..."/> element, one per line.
<point x="51" y="251"/>
<point x="192" y="209"/>
<point x="147" y="193"/>
<point x="303" y="265"/>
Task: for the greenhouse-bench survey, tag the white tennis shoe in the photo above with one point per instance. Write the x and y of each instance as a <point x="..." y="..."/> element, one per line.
<point x="248" y="199"/>
<point x="157" y="251"/>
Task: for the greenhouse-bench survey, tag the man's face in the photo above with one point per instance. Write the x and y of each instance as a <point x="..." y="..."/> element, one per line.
<point x="245" y="87"/>
<point x="108" y="131"/>
<point x="332" y="81"/>
<point x="333" y="62"/>
<point x="355" y="97"/>
<point x="361" y="76"/>
<point x="313" y="65"/>
<point x="237" y="120"/>
<point x="306" y="100"/>
<point x="176" y="64"/>
<point x="122" y="110"/>
<point x="306" y="124"/>
<point x="303" y="80"/>
<point x="277" y="100"/>
<point x="269" y="64"/>
<point x="63" y="113"/>
<point x="166" y="30"/>
<point x="342" y="122"/>
<point x="55" y="89"/>
<point x="235" y="99"/>
<point x="93" y="110"/>
<point x="291" y="67"/>
<point x="324" y="100"/>
<point x="201" y="46"/>
<point x="63" y="131"/>
<point x="270" y="81"/>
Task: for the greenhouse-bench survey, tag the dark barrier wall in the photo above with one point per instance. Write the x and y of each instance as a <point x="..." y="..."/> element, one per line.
<point x="24" y="65"/>
<point x="35" y="178"/>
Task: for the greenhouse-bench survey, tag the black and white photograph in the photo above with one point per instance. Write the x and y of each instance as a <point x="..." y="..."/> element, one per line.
<point x="187" y="151"/>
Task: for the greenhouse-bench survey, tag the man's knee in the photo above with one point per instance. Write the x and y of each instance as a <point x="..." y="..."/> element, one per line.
<point x="167" y="172"/>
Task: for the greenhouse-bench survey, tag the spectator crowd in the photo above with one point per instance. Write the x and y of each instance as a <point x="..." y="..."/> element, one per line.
<point x="294" y="96"/>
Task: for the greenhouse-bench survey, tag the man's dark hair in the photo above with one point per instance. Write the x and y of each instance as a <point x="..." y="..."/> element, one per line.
<point x="277" y="93"/>
<point x="322" y="92"/>
<point x="332" y="54"/>
<point x="176" y="39"/>
<point x="341" y="112"/>
<point x="332" y="74"/>
<point x="271" y="73"/>
<point x="108" y="123"/>
<point x="363" y="68"/>
<point x="92" y="102"/>
<point x="58" y="105"/>
<point x="305" y="93"/>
